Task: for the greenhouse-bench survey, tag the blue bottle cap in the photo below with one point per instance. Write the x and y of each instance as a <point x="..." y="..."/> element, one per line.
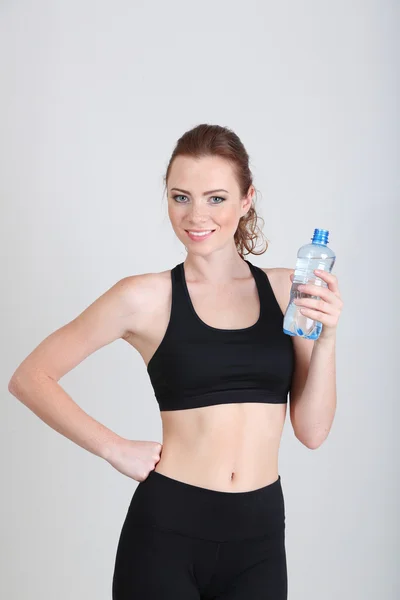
<point x="320" y="236"/>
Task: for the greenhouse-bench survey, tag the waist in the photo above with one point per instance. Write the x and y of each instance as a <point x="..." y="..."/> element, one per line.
<point x="166" y="503"/>
<point x="220" y="476"/>
<point x="229" y="447"/>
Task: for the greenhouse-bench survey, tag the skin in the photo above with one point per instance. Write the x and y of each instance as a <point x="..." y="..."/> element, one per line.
<point x="231" y="447"/>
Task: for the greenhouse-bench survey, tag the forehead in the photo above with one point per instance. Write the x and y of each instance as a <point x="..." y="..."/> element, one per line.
<point x="198" y="174"/>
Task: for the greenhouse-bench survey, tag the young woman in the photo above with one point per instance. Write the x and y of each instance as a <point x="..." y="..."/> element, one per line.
<point x="207" y="519"/>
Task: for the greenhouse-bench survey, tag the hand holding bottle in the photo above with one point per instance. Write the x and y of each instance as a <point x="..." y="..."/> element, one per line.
<point x="326" y="309"/>
<point x="319" y="255"/>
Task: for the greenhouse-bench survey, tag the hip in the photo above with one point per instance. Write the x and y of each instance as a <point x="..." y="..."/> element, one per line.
<point x="176" y="506"/>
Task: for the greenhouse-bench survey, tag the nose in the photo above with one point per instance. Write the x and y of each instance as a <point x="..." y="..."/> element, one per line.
<point x="198" y="214"/>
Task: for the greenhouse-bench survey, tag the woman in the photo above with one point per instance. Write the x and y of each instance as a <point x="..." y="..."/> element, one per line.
<point x="207" y="519"/>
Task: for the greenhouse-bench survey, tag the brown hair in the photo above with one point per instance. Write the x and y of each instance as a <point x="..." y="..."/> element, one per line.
<point x="214" y="140"/>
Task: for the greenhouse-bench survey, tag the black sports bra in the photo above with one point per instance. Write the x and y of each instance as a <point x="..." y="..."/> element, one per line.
<point x="198" y="365"/>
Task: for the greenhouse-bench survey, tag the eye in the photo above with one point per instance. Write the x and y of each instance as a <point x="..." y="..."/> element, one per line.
<point x="182" y="196"/>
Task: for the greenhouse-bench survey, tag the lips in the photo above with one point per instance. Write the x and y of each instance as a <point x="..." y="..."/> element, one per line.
<point x="198" y="238"/>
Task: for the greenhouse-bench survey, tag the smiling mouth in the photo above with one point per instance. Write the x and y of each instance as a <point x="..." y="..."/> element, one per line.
<point x="199" y="235"/>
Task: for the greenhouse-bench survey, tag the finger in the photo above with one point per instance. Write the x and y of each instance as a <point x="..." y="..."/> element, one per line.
<point x="330" y="278"/>
<point x="315" y="305"/>
<point x="319" y="291"/>
<point x="316" y="315"/>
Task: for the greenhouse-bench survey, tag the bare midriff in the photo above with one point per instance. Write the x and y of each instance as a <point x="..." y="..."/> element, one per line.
<point x="227" y="447"/>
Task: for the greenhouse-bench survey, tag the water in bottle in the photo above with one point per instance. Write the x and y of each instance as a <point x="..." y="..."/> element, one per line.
<point x="312" y="256"/>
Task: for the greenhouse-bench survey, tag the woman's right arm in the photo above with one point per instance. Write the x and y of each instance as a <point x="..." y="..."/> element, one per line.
<point x="35" y="381"/>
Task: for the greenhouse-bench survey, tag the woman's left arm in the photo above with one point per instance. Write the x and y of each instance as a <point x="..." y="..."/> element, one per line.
<point x="313" y="404"/>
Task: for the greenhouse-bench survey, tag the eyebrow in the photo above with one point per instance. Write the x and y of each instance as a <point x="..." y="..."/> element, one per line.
<point x="204" y="194"/>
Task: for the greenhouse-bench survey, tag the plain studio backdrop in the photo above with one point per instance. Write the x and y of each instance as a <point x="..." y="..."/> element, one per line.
<point x="93" y="97"/>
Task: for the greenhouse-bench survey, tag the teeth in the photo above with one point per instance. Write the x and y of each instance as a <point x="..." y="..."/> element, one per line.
<point x="200" y="234"/>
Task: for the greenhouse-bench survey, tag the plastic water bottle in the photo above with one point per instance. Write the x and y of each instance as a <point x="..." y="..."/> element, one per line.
<point x="312" y="256"/>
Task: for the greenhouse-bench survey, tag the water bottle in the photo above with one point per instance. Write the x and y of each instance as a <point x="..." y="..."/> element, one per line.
<point x="312" y="256"/>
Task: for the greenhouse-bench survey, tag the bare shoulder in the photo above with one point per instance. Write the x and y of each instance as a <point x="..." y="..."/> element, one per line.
<point x="141" y="288"/>
<point x="147" y="294"/>
<point x="130" y="298"/>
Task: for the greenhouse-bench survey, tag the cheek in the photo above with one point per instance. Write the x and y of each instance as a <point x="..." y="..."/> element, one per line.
<point x="228" y="218"/>
<point x="177" y="218"/>
<point x="174" y="215"/>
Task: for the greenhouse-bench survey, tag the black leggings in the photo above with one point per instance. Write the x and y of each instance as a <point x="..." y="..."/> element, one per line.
<point x="184" y="542"/>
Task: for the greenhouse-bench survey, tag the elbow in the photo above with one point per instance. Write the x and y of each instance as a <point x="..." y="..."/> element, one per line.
<point x="311" y="442"/>
<point x="15" y="388"/>
<point x="17" y="383"/>
<point x="12" y="386"/>
<point x="312" y="436"/>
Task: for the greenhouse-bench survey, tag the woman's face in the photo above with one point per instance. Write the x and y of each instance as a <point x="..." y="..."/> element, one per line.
<point x="203" y="195"/>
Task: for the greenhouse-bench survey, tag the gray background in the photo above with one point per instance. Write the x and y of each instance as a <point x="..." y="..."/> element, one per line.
<point x="93" y="97"/>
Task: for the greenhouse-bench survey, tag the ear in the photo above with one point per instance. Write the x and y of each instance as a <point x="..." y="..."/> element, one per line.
<point x="248" y="200"/>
